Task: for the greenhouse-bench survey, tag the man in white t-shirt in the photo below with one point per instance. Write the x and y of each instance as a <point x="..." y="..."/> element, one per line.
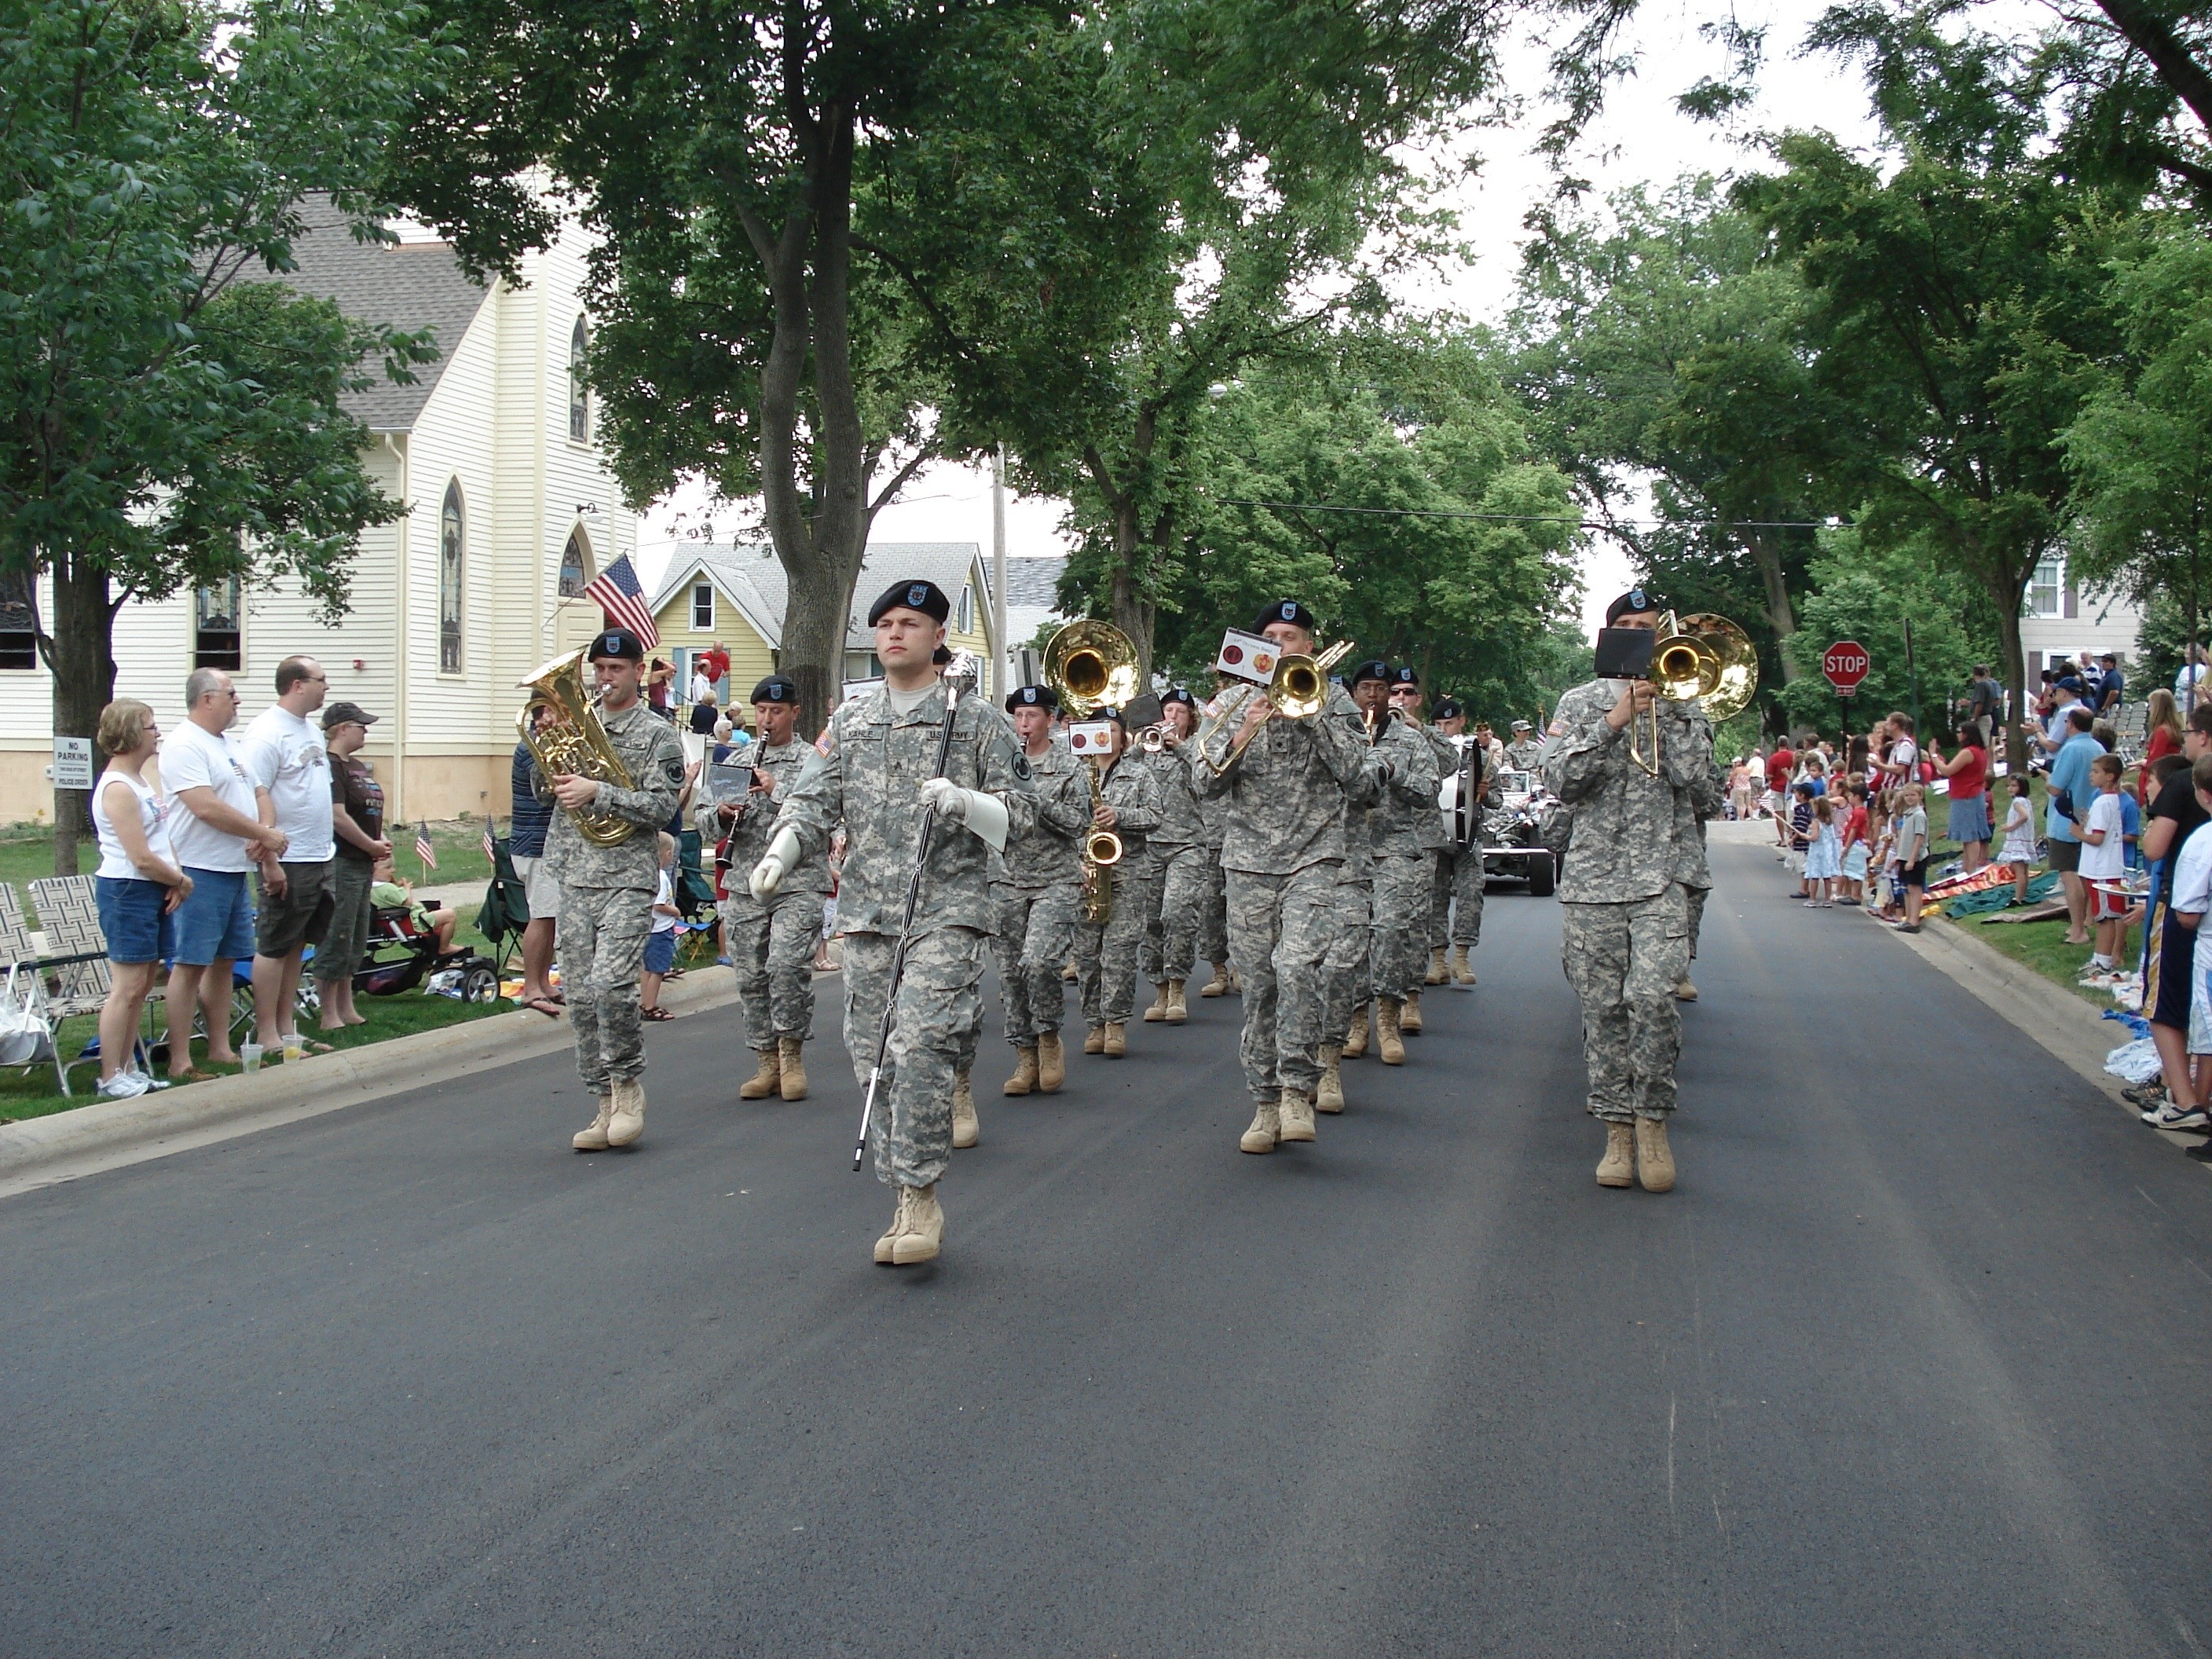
<point x="218" y="835"/>
<point x="290" y="763"/>
<point x="1902" y="764"/>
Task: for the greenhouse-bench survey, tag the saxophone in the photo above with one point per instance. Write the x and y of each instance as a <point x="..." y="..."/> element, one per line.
<point x="1101" y="851"/>
<point x="574" y="744"/>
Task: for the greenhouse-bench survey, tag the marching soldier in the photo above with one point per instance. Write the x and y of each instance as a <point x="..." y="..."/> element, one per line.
<point x="606" y="892"/>
<point x="876" y="776"/>
<point x="1526" y="752"/>
<point x="1406" y="702"/>
<point x="1350" y="964"/>
<point x="1038" y="888"/>
<point x="771" y="944"/>
<point x="1282" y="848"/>
<point x="1403" y="869"/>
<point x="1179" y="852"/>
<point x="1456" y="918"/>
<point x="1212" y="940"/>
<point x="1696" y="875"/>
<point x="1106" y="952"/>
<point x="1624" y="916"/>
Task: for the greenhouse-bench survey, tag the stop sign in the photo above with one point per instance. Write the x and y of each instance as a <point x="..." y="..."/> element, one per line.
<point x="1845" y="663"/>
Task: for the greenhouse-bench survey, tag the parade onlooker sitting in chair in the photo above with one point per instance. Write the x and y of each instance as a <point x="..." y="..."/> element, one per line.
<point x="388" y="892"/>
<point x="138" y="886"/>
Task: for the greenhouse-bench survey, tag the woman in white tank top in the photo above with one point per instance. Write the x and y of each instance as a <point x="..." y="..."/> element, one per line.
<point x="139" y="886"/>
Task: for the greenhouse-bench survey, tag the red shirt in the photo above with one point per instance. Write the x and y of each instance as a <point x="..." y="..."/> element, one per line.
<point x="1970" y="780"/>
<point x="1779" y="765"/>
<point x="1855" y="826"/>
<point x="2161" y="742"/>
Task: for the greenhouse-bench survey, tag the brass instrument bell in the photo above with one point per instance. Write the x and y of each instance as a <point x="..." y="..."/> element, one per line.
<point x="574" y="744"/>
<point x="1703" y="657"/>
<point x="1090" y="664"/>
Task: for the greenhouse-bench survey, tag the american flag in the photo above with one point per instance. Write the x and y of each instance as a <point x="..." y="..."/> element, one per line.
<point x="616" y="591"/>
<point x="422" y="848"/>
<point x="491" y="850"/>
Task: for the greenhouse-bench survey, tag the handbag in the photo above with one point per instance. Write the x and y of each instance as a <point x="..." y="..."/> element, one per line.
<point x="25" y="1036"/>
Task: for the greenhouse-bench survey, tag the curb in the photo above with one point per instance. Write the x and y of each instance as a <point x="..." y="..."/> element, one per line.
<point x="42" y="1152"/>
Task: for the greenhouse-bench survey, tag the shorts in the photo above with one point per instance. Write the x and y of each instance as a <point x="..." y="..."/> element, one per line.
<point x="660" y="951"/>
<point x="346" y="942"/>
<point x="216" y="923"/>
<point x="1914" y="875"/>
<point x="130" y="914"/>
<point x="2106" y="903"/>
<point x="2177" y="950"/>
<point x="301" y="915"/>
<point x="2064" y="855"/>
<point x="540" y="886"/>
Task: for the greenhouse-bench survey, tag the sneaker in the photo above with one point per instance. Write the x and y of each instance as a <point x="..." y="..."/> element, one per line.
<point x="2172" y="1116"/>
<point x="124" y="1086"/>
<point x="2149" y="1096"/>
<point x="152" y="1083"/>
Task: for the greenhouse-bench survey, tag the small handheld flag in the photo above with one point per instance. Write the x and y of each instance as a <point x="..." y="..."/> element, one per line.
<point x="424" y="849"/>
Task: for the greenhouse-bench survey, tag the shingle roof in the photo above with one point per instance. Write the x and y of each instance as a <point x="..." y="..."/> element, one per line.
<point x="752" y="575"/>
<point x="411" y="286"/>
<point x="1034" y="581"/>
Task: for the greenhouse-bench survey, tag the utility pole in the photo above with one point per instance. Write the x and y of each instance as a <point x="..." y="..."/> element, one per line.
<point x="1005" y="652"/>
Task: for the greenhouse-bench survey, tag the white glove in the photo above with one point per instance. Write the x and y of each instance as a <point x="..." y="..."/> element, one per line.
<point x="779" y="861"/>
<point x="946" y="799"/>
<point x="985" y="815"/>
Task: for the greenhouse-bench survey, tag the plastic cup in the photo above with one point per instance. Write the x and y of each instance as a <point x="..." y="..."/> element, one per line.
<point x="294" y="1048"/>
<point x="249" y="1054"/>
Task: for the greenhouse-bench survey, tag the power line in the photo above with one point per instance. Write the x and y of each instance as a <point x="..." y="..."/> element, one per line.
<point x="1537" y="518"/>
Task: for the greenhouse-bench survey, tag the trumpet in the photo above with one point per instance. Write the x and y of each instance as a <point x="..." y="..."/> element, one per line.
<point x="1704" y="658"/>
<point x="1299" y="687"/>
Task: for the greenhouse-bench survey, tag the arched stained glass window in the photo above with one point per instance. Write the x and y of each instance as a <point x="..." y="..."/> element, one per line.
<point x="453" y="559"/>
<point x="575" y="564"/>
<point x="579" y="394"/>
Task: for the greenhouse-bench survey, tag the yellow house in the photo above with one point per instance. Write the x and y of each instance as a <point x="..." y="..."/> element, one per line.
<point x="733" y="597"/>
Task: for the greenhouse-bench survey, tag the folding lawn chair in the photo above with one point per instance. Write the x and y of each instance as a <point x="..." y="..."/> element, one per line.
<point x="73" y="968"/>
<point x="506" y="908"/>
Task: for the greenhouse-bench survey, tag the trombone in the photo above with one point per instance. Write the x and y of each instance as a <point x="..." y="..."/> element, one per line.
<point x="1299" y="687"/>
<point x="1703" y="657"/>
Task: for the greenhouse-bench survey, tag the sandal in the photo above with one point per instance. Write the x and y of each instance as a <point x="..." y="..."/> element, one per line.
<point x="192" y="1074"/>
<point x="315" y="1048"/>
<point x="655" y="1013"/>
<point x="545" y="1005"/>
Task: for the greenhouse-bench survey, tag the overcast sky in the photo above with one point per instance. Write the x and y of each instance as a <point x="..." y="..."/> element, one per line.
<point x="1640" y="138"/>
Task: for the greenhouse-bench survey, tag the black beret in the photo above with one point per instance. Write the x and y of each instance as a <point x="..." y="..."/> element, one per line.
<point x="1286" y="610"/>
<point x="1373" y="669"/>
<point x="775" y="689"/>
<point x="1176" y="694"/>
<point x="1636" y="601"/>
<point x="1108" y="712"/>
<point x="1447" y="709"/>
<point x="1033" y="696"/>
<point x="1406" y="674"/>
<point x="943" y="655"/>
<point x="925" y="597"/>
<point x="616" y="642"/>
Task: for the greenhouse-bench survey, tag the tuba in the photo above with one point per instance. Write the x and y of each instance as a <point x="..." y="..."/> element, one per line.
<point x="1090" y="664"/>
<point x="574" y="744"/>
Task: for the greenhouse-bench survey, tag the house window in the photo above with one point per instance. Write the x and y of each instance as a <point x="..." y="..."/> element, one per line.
<point x="966" y="610"/>
<point x="2047" y="589"/>
<point x="702" y="607"/>
<point x="19" y="638"/>
<point x="579" y="394"/>
<point x="575" y="565"/>
<point x="218" y="636"/>
<point x="453" y="549"/>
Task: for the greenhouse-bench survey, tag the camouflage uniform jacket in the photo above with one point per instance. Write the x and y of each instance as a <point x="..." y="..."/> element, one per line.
<point x="1359" y="867"/>
<point x="1625" y="846"/>
<point x="1404" y="819"/>
<point x="1286" y="792"/>
<point x="755" y="824"/>
<point x="1527" y="756"/>
<point x="1691" y="808"/>
<point x="1132" y="788"/>
<point x="1180" y="824"/>
<point x="1050" y="853"/>
<point x="653" y="754"/>
<point x="868" y="776"/>
<point x="1446" y="755"/>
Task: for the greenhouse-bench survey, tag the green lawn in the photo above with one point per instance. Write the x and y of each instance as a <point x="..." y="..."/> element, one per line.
<point x="2041" y="946"/>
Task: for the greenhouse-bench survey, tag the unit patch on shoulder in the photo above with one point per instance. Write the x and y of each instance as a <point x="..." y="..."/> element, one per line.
<point x="1022" y="767"/>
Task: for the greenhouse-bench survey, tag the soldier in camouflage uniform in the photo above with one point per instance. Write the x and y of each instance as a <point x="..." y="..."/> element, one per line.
<point x="1407" y="703"/>
<point x="1624" y="918"/>
<point x="1106" y="952"/>
<point x="771" y="945"/>
<point x="1179" y="895"/>
<point x="1455" y="917"/>
<point x="876" y="775"/>
<point x="1283" y="852"/>
<point x="1211" y="943"/>
<point x="1526" y="752"/>
<point x="1349" y="966"/>
<point x="1697" y="877"/>
<point x="606" y="892"/>
<point x="1398" y="823"/>
<point x="1036" y="888"/>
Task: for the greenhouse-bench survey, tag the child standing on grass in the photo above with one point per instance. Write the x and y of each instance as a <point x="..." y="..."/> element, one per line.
<point x="1912" y="854"/>
<point x="2104" y="862"/>
<point x="660" y="943"/>
<point x="2019" y="848"/>
<point x="1825" y="863"/>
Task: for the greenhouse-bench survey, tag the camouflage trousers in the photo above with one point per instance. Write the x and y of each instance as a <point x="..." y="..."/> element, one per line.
<point x="1106" y="955"/>
<point x="1696" y="899"/>
<point x="1280" y="928"/>
<point x="1179" y="896"/>
<point x="1398" y="942"/>
<point x="602" y="932"/>
<point x="939" y="1013"/>
<point x="1212" y="939"/>
<point x="1347" y="965"/>
<point x="1624" y="961"/>
<point x="773" y="950"/>
<point x="1036" y="931"/>
<point x="1455" y="898"/>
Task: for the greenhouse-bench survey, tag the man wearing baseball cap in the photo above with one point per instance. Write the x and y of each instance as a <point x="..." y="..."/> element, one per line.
<point x="357" y="823"/>
<point x="608" y="880"/>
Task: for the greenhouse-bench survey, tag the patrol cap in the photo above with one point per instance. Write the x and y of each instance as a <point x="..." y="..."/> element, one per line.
<point x="617" y="642"/>
<point x="1176" y="694"/>
<point x="776" y="689"/>
<point x="346" y="714"/>
<point x="1522" y="726"/>
<point x="925" y="597"/>
<point x="1373" y="669"/>
<point x="1033" y="696"/>
<point x="1637" y="602"/>
<point x="1285" y="611"/>
<point x="1406" y="674"/>
<point x="1447" y="708"/>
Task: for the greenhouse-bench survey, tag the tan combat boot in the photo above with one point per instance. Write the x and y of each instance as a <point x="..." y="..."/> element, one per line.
<point x="1178" y="1010"/>
<point x="925" y="1228"/>
<point x="1462" y="971"/>
<point x="765" y="1078"/>
<point x="1388" y="1042"/>
<point x="889" y="1240"/>
<point x="967" y="1127"/>
<point x="1267" y="1121"/>
<point x="1094" y="1040"/>
<point x="1025" y="1072"/>
<point x="1409" y="1014"/>
<point x="1355" y="1042"/>
<point x="593" y="1138"/>
<point x="1051" y="1064"/>
<point x="1115" y="1041"/>
<point x="1329" y="1096"/>
<point x="1684" y="991"/>
<point x="791" y="1062"/>
<point x="1296" y="1117"/>
<point x="1654" y="1158"/>
<point x="1220" y="984"/>
<point x="1158" y="1010"/>
<point x="1068" y="972"/>
<point x="1618" y="1167"/>
<point x="1437" y="971"/>
<point x="628" y="1123"/>
<point x="1236" y="984"/>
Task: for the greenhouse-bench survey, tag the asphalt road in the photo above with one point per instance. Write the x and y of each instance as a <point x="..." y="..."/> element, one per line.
<point x="1911" y="1363"/>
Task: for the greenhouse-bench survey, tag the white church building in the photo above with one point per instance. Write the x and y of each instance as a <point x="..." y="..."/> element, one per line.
<point x="509" y="509"/>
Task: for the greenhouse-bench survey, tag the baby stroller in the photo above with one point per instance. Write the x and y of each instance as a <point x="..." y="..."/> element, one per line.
<point x="403" y="952"/>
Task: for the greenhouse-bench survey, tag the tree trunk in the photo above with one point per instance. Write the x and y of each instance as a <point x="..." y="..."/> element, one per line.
<point x="82" y="662"/>
<point x="1779" y="615"/>
<point x="2015" y="668"/>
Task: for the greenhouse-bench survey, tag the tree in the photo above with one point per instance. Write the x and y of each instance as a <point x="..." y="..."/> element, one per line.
<point x="173" y="420"/>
